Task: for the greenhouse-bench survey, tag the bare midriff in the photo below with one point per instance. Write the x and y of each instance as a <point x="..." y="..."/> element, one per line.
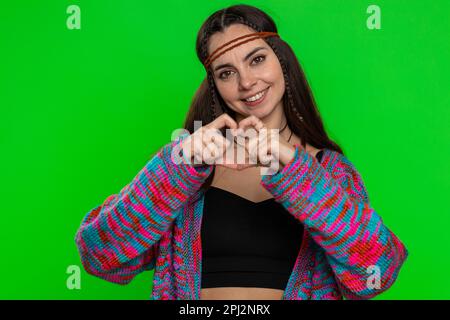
<point x="240" y="293"/>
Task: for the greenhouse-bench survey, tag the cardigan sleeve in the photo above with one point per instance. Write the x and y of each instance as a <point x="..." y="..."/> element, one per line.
<point x="119" y="238"/>
<point x="334" y="206"/>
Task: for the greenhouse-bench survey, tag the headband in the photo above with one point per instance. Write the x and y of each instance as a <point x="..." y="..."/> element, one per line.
<point x="252" y="36"/>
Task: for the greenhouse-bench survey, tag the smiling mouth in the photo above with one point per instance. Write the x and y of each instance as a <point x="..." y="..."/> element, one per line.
<point x="257" y="98"/>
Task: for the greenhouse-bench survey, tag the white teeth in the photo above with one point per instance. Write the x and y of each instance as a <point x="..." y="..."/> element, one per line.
<point x="255" y="97"/>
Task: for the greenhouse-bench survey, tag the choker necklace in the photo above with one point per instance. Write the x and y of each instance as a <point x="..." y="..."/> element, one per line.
<point x="283" y="130"/>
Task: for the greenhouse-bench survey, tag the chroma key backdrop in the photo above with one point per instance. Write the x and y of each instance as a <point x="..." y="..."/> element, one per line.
<point x="90" y="90"/>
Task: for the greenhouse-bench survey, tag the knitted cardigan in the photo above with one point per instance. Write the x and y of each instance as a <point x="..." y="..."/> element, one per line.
<point x="154" y="223"/>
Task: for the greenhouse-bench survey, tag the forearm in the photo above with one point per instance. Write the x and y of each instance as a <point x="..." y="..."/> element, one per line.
<point x="131" y="222"/>
<point x="340" y="219"/>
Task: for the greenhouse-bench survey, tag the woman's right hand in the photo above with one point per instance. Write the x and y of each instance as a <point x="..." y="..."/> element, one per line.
<point x="207" y="144"/>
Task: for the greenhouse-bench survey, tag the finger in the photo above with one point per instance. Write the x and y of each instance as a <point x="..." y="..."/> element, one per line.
<point x="272" y="165"/>
<point x="274" y="143"/>
<point x="218" y="144"/>
<point x="227" y="158"/>
<point x="198" y="150"/>
<point x="221" y="142"/>
<point x="243" y="139"/>
<point x="245" y="159"/>
<point x="252" y="121"/>
<point x="210" y="135"/>
<point x="207" y="155"/>
<point x="258" y="151"/>
<point x="255" y="138"/>
<point x="263" y="153"/>
<point x="222" y="121"/>
<point x="225" y="150"/>
<point x="252" y="149"/>
<point x="210" y="150"/>
<point x="241" y="154"/>
<point x="213" y="150"/>
<point x="263" y="148"/>
<point x="198" y="157"/>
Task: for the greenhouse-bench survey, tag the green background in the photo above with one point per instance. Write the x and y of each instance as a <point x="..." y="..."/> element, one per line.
<point x="83" y="110"/>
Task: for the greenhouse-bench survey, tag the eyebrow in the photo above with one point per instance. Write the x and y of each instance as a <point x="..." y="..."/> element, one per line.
<point x="245" y="59"/>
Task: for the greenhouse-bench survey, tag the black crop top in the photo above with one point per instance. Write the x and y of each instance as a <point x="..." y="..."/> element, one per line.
<point x="247" y="244"/>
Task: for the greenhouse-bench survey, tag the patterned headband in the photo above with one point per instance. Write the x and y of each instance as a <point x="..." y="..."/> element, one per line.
<point x="251" y="36"/>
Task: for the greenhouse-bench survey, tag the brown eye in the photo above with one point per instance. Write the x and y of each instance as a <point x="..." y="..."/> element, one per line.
<point x="259" y="59"/>
<point x="225" y="74"/>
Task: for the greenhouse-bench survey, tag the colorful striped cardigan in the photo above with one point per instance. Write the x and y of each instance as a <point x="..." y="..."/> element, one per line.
<point x="154" y="224"/>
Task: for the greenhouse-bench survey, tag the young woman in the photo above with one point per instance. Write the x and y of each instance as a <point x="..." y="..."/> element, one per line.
<point x="220" y="230"/>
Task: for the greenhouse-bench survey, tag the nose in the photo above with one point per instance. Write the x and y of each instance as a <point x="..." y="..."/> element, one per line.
<point x="246" y="80"/>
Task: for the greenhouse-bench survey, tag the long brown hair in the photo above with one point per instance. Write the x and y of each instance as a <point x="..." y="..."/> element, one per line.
<point x="299" y="106"/>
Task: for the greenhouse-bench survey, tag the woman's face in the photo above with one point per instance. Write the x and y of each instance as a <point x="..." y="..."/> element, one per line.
<point x="249" y="77"/>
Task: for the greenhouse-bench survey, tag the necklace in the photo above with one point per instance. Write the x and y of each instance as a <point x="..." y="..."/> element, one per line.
<point x="290" y="136"/>
<point x="283" y="130"/>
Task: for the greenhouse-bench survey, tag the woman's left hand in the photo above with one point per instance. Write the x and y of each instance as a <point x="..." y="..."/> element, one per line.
<point x="266" y="145"/>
